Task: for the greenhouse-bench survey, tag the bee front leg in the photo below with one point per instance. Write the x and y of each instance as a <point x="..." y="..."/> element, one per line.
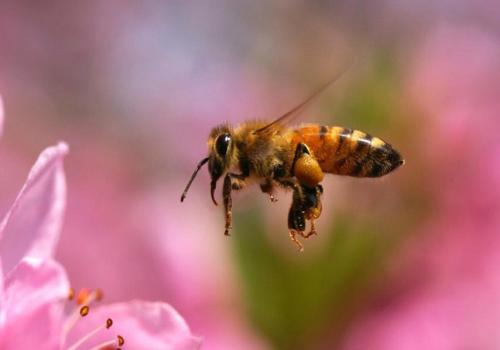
<point x="231" y="182"/>
<point x="228" y="203"/>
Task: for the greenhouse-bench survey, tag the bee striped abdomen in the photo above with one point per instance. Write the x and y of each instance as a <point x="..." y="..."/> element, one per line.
<point x="349" y="152"/>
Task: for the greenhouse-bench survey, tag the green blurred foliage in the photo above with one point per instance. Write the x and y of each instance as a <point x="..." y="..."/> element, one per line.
<point x="296" y="299"/>
<point x="371" y="103"/>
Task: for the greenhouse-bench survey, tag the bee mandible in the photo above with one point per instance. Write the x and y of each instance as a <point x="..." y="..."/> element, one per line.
<point x="295" y="158"/>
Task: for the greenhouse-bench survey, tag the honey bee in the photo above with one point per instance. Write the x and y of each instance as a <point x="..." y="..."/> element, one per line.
<point x="296" y="158"/>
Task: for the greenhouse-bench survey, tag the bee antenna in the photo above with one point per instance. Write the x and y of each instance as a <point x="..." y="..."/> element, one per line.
<point x="198" y="167"/>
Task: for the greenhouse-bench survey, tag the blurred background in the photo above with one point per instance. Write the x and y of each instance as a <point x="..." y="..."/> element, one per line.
<point x="409" y="261"/>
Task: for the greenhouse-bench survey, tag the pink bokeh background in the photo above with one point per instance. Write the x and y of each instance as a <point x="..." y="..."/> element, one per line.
<point x="135" y="89"/>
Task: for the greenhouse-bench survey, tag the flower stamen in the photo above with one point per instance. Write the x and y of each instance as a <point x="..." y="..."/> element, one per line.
<point x="84" y="298"/>
<point x="82" y="340"/>
<point x="84" y="310"/>
<point x="111" y="344"/>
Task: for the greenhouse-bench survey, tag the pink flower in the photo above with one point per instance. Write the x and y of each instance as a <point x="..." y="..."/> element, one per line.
<point x="31" y="305"/>
<point x="32" y="226"/>
<point x="35" y="312"/>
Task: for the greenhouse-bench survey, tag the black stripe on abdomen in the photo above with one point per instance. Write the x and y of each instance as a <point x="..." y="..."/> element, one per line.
<point x="323" y="131"/>
<point x="344" y="134"/>
<point x="363" y="144"/>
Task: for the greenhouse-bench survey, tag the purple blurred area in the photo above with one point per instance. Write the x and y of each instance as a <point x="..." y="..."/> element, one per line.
<point x="134" y="89"/>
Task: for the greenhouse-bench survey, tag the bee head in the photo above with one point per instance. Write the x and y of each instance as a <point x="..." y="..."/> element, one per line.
<point x="221" y="150"/>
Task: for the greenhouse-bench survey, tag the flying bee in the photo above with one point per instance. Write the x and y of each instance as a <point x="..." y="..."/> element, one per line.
<point x="295" y="158"/>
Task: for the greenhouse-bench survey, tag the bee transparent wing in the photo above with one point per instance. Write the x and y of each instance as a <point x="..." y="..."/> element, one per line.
<point x="295" y="111"/>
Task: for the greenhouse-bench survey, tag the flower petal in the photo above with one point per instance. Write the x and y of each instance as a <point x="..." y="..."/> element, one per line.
<point x="32" y="305"/>
<point x="144" y="325"/>
<point x="32" y="225"/>
<point x="2" y="309"/>
<point x="1" y="116"/>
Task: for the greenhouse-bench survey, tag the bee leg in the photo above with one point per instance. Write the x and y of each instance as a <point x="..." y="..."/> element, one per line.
<point x="268" y="187"/>
<point x="228" y="203"/>
<point x="232" y="182"/>
<point x="292" y="234"/>
<point x="306" y="168"/>
<point x="312" y="231"/>
<point x="311" y="201"/>
<point x="237" y="181"/>
<point x="296" y="218"/>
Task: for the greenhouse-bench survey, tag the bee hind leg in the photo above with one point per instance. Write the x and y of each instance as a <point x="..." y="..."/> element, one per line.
<point x="306" y="168"/>
<point x="293" y="237"/>
<point x="312" y="203"/>
<point x="296" y="218"/>
<point x="312" y="231"/>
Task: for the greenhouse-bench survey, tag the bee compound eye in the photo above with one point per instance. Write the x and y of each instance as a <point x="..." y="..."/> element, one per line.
<point x="222" y="144"/>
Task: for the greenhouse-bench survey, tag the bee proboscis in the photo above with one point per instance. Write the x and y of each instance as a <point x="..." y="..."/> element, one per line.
<point x="295" y="158"/>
